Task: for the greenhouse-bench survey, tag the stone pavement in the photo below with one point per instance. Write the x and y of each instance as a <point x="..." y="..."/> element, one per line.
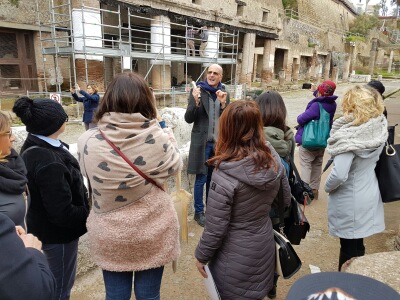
<point x="187" y="284"/>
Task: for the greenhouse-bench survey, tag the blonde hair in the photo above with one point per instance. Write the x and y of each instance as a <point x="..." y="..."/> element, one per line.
<point x="4" y="127"/>
<point x="363" y="102"/>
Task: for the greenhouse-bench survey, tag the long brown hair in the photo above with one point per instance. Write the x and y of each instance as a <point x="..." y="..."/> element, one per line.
<point x="127" y="93"/>
<point x="241" y="135"/>
<point x="273" y="110"/>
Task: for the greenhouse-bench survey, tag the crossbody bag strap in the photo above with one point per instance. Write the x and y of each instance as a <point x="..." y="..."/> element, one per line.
<point x="281" y="209"/>
<point x="129" y="162"/>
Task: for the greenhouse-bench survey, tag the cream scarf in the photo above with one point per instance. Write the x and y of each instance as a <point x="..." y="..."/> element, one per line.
<point x="345" y="137"/>
<point x="114" y="183"/>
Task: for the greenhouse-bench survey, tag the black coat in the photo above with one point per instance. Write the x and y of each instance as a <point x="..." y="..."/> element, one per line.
<point x="199" y="117"/>
<point x="59" y="204"/>
<point x="24" y="273"/>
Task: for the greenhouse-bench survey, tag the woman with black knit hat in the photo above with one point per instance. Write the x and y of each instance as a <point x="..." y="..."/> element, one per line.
<point x="59" y="205"/>
<point x="377" y="85"/>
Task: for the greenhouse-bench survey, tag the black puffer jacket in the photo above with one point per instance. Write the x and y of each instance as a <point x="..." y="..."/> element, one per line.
<point x="59" y="204"/>
<point x="238" y="241"/>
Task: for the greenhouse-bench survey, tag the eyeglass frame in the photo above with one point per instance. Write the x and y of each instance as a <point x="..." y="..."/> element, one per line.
<point x="9" y="132"/>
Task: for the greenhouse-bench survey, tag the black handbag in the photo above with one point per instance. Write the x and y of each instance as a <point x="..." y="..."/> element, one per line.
<point x="292" y="222"/>
<point x="300" y="190"/>
<point x="387" y="171"/>
<point x="287" y="260"/>
<point x="296" y="225"/>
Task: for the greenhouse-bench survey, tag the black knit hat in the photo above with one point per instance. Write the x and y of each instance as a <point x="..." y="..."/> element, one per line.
<point x="41" y="116"/>
<point x="376" y="84"/>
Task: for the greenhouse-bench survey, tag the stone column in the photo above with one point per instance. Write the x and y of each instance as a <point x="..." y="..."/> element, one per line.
<point x="161" y="77"/>
<point x="346" y="67"/>
<point x="282" y="77"/>
<point x="327" y="65"/>
<point x="372" y="56"/>
<point x="247" y="58"/>
<point x="313" y="65"/>
<point x="390" y="62"/>
<point x="161" y="43"/>
<point x="335" y="74"/>
<point x="267" y="70"/>
<point x="295" y="73"/>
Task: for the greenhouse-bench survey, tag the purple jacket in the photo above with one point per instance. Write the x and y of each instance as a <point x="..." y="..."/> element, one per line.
<point x="312" y="113"/>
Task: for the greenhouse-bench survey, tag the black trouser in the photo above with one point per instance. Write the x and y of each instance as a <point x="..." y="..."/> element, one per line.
<point x="350" y="248"/>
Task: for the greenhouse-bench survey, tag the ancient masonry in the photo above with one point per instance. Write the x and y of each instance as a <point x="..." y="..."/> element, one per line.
<point x="61" y="43"/>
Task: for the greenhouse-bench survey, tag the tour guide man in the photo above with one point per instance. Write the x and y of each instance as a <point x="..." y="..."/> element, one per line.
<point x="205" y="105"/>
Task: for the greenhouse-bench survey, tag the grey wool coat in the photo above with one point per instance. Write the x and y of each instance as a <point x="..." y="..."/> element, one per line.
<point x="238" y="241"/>
<point x="199" y="117"/>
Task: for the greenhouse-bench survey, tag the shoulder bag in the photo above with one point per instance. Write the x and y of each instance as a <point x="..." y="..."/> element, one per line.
<point x="387" y="171"/>
<point x="293" y="225"/>
<point x="287" y="260"/>
<point x="316" y="132"/>
<point x="300" y="190"/>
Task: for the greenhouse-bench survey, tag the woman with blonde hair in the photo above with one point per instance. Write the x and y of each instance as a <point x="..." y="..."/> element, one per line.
<point x="13" y="180"/>
<point x="238" y="241"/>
<point x="133" y="227"/>
<point x="355" y="208"/>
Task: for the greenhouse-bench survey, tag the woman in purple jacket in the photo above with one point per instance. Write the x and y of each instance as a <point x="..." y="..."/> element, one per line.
<point x="90" y="102"/>
<point x="311" y="159"/>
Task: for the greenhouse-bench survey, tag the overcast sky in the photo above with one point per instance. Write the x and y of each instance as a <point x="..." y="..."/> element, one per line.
<point x="390" y="8"/>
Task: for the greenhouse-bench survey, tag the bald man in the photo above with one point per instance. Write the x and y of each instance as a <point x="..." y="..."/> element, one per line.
<point x="205" y="105"/>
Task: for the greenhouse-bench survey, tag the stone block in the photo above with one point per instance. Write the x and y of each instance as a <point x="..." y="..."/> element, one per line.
<point x="360" y="78"/>
<point x="382" y="266"/>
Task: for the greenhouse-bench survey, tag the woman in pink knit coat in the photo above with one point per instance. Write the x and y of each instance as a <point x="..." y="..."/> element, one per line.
<point x="133" y="226"/>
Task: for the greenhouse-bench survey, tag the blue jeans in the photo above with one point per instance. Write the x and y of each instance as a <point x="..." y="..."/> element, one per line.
<point x="202" y="179"/>
<point x="62" y="263"/>
<point x="147" y="284"/>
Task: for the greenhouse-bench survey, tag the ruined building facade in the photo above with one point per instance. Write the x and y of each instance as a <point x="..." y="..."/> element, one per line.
<point x="48" y="45"/>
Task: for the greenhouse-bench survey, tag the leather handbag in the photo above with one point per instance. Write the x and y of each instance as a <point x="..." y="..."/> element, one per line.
<point x="316" y="132"/>
<point x="296" y="225"/>
<point x="300" y="190"/>
<point x="287" y="260"/>
<point x="292" y="222"/>
<point x="387" y="171"/>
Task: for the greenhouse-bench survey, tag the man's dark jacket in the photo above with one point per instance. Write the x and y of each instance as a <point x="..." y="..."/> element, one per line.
<point x="199" y="117"/>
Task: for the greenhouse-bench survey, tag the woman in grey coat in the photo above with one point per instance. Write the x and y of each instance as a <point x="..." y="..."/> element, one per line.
<point x="355" y="208"/>
<point x="238" y="241"/>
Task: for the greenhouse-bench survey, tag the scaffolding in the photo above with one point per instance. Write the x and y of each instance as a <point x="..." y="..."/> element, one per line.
<point x="119" y="38"/>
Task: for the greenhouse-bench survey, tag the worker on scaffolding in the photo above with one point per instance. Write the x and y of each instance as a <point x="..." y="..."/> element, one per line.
<point x="90" y="102"/>
<point x="190" y="32"/>
<point x="204" y="40"/>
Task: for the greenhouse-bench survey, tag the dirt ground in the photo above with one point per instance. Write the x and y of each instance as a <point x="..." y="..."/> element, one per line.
<point x="318" y="249"/>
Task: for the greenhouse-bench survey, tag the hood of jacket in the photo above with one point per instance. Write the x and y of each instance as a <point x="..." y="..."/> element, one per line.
<point x="243" y="170"/>
<point x="281" y="141"/>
